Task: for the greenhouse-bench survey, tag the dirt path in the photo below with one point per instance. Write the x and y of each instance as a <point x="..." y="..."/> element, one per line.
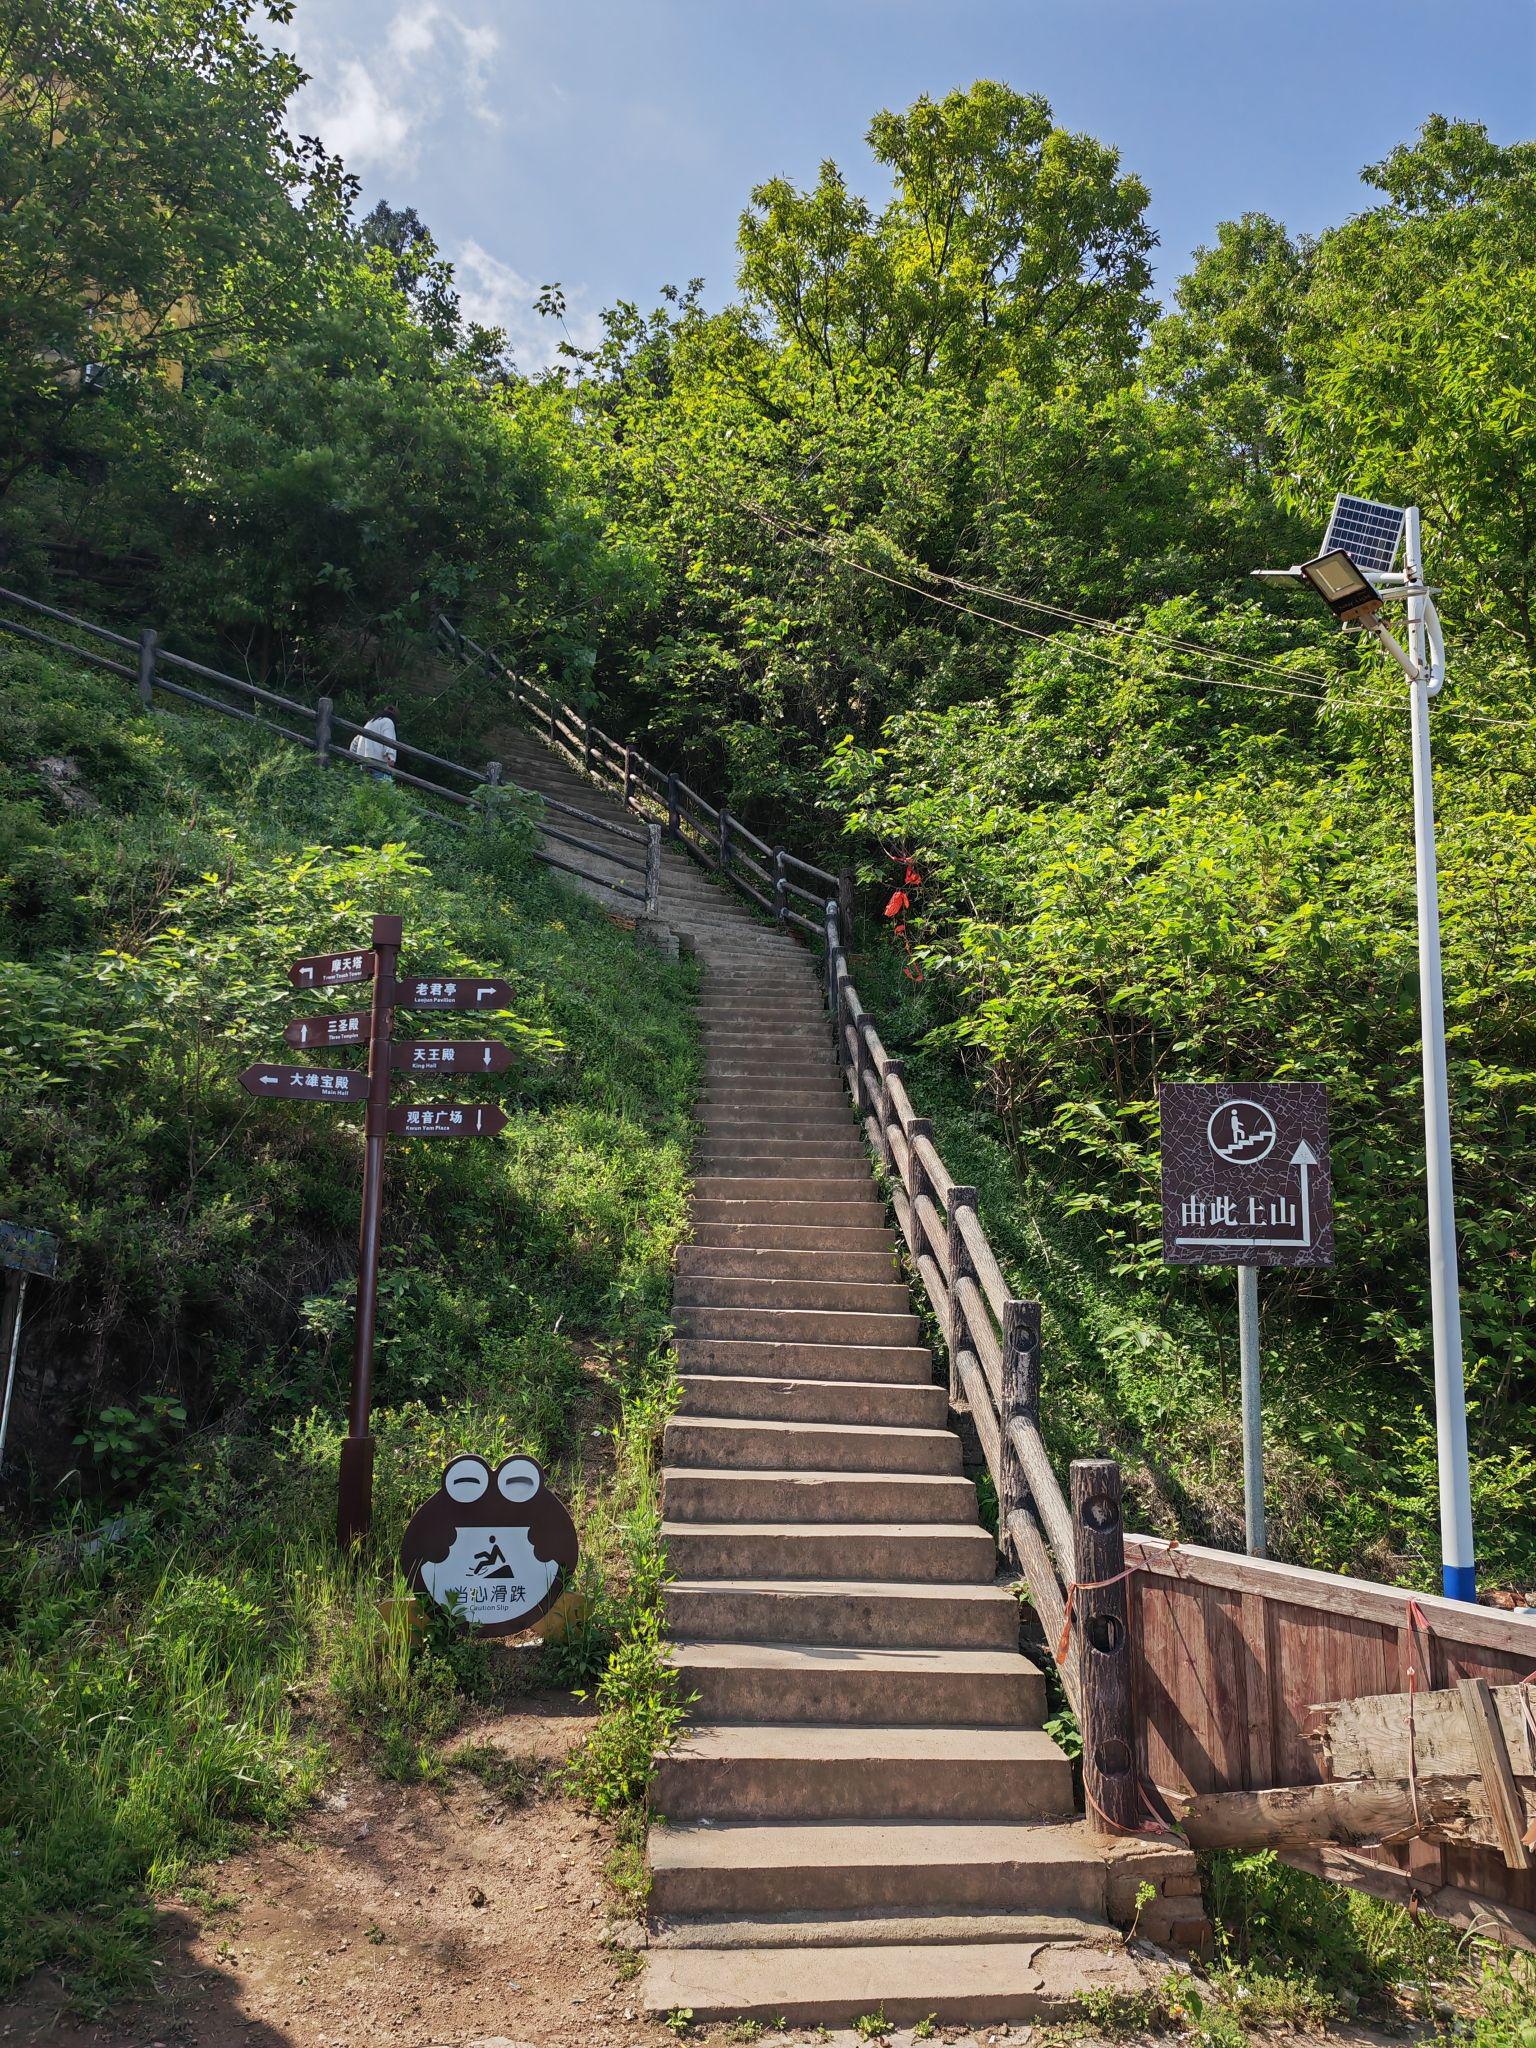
<point x="402" y="1916"/>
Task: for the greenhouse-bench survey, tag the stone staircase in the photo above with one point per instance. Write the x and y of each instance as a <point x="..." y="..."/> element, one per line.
<point x="865" y="1813"/>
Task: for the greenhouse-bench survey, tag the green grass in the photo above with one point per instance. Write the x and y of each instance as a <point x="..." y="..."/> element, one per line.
<point x="198" y="1673"/>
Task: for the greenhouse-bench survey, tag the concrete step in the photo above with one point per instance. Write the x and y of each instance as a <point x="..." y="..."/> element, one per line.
<point x="721" y="1124"/>
<point x="904" y="1363"/>
<point x="973" y="1984"/>
<point x="764" y="1100"/>
<point x="838" y="1160"/>
<point x="729" y="1262"/>
<point x="885" y="1688"/>
<point x="773" y="1867"/>
<point x="700" y="1493"/>
<point x="716" y="1290"/>
<point x="830" y="1220"/>
<point x="748" y="1444"/>
<point x="931" y="1553"/>
<point x="724" y="1443"/>
<point x="873" y="1614"/>
<point x="866" y="1402"/>
<point x="799" y="1325"/>
<point x="731" y="1234"/>
<point x="798" y="1771"/>
<point x="874" y="1928"/>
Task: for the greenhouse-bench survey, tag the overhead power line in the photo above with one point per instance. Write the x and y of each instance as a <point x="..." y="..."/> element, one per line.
<point x="824" y="545"/>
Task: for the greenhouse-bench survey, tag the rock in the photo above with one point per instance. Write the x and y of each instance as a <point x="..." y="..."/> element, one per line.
<point x="477" y="1897"/>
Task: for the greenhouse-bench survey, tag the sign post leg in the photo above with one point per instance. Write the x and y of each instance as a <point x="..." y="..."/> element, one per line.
<point x="1253" y="1416"/>
<point x="354" y="1507"/>
<point x="10" y="1344"/>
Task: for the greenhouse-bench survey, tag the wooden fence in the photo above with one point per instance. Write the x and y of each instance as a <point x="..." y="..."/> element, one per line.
<point x="155" y="672"/>
<point x="791" y="890"/>
<point x="1191" y="1670"/>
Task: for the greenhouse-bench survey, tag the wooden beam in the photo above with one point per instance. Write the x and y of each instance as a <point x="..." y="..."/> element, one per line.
<point x="1351" y="1811"/>
<point x="1452" y="1621"/>
<point x="1499" y="1789"/>
<point x="1368" y="1737"/>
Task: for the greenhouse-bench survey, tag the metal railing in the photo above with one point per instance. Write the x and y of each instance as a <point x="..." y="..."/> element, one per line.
<point x="776" y="880"/>
<point x="635" y="852"/>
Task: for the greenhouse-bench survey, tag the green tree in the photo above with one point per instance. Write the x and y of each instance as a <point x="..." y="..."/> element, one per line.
<point x="1007" y="244"/>
<point x="157" y="211"/>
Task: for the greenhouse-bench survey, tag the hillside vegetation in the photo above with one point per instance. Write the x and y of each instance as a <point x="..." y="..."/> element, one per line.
<point x="180" y="1645"/>
<point x="933" y="540"/>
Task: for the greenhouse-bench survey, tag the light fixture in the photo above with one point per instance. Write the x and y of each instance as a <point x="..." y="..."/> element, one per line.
<point x="1346" y="590"/>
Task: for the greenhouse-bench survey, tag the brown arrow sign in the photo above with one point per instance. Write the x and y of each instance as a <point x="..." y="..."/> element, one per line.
<point x="451" y="1056"/>
<point x="306" y="1084"/>
<point x="327" y="970"/>
<point x="446" y="1120"/>
<point x="344" y="1027"/>
<point x="453" y="992"/>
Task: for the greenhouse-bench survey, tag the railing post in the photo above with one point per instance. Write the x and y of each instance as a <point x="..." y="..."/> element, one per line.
<point x="958" y="1262"/>
<point x="492" y="781"/>
<point x="780" y="889"/>
<point x="1020" y="1399"/>
<point x="674" y="827"/>
<point x="725" y="840"/>
<point x="323" y="711"/>
<point x="920" y="1127"/>
<point x="629" y="778"/>
<point x="554" y="729"/>
<point x="148" y="641"/>
<point x="652" y="869"/>
<point x="1102" y="1617"/>
<point x="845" y="906"/>
<point x="586" y="746"/>
<point x="893" y="1072"/>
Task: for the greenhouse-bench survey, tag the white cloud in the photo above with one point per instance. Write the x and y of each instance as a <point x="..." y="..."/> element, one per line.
<point x="497" y="295"/>
<point x="371" y="107"/>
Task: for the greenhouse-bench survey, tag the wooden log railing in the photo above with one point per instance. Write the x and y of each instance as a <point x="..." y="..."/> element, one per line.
<point x="633" y="851"/>
<point x="1070" y="1555"/>
<point x="772" y="877"/>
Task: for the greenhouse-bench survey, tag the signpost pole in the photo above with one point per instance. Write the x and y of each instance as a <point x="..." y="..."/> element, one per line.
<point x="1456" y="1541"/>
<point x="1253" y="1414"/>
<point x="354" y="1508"/>
<point x="10" y="1344"/>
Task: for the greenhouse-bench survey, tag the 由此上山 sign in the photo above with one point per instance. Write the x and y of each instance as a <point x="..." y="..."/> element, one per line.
<point x="1245" y="1174"/>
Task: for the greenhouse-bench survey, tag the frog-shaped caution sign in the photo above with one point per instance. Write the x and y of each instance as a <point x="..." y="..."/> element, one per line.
<point x="495" y="1549"/>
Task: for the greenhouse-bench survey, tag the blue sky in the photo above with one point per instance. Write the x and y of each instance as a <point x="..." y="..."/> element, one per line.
<point x="611" y="144"/>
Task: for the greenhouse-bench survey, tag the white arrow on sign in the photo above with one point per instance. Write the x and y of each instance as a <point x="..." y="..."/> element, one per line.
<point x="1303" y="1159"/>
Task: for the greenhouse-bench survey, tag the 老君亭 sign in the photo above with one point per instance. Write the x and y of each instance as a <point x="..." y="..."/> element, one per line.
<point x="1245" y="1174"/>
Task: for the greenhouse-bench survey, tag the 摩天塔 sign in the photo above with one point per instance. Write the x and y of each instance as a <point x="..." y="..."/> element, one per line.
<point x="374" y="1029"/>
<point x="1245" y="1174"/>
<point x="496" y="1549"/>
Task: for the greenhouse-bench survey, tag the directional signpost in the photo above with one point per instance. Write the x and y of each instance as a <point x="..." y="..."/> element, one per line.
<point x="374" y="1029"/>
<point x="1246" y="1183"/>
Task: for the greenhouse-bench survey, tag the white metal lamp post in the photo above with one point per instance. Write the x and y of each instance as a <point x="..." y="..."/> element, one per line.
<point x="1353" y="574"/>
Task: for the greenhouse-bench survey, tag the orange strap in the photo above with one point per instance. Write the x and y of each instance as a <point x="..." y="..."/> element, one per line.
<point x="1083" y="1586"/>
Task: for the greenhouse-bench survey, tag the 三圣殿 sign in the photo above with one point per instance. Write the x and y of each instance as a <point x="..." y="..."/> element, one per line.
<point x="1245" y="1174"/>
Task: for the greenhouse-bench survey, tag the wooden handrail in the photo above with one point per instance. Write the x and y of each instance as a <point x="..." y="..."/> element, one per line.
<point x="993" y="1340"/>
<point x="151" y="680"/>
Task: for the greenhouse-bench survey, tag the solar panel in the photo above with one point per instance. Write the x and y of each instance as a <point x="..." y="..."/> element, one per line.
<point x="1371" y="533"/>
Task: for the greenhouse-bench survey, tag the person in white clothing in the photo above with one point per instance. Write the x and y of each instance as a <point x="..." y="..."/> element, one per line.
<point x="376" y="742"/>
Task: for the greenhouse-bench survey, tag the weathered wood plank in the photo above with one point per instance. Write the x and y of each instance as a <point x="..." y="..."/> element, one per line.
<point x="1499" y="1788"/>
<point x="1363" y="1738"/>
<point x="1456" y="1622"/>
<point x="1354" y="1811"/>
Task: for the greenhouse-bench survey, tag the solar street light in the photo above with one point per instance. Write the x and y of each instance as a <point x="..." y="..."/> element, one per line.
<point x="1348" y="593"/>
<point x="1353" y="572"/>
